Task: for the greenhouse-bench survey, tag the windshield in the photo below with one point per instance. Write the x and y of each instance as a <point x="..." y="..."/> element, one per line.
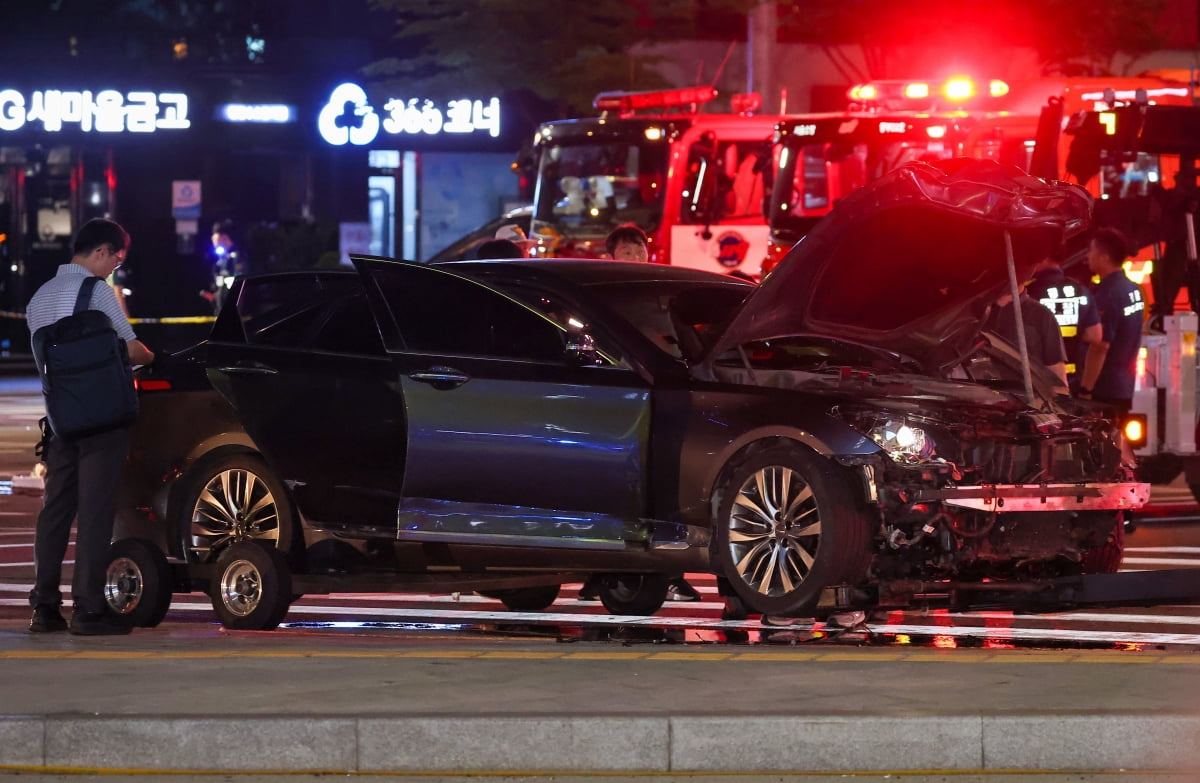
<point x="812" y="178"/>
<point x="586" y="186"/>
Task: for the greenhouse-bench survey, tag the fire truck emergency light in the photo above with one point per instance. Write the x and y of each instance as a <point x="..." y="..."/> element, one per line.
<point x="957" y="89"/>
<point x="745" y="102"/>
<point x="656" y="99"/>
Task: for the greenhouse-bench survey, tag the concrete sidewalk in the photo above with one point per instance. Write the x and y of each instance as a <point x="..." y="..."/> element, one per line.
<point x="200" y="699"/>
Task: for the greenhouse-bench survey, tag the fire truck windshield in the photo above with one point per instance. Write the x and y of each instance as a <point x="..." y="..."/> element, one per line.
<point x="812" y="177"/>
<point x="585" y="186"/>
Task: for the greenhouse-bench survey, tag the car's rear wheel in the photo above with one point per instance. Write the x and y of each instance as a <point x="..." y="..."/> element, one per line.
<point x="633" y="594"/>
<point x="525" y="599"/>
<point x="788" y="524"/>
<point x="137" y="583"/>
<point x="230" y="499"/>
<point x="251" y="588"/>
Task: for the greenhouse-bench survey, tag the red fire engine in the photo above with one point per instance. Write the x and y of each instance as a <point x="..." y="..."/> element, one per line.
<point x="822" y="157"/>
<point x="692" y="181"/>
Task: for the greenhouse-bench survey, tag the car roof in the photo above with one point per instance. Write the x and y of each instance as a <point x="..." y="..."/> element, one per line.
<point x="588" y="271"/>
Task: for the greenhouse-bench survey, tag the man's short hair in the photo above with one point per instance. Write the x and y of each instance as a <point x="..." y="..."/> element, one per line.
<point x="1112" y="243"/>
<point x="499" y="248"/>
<point x="626" y="232"/>
<point x="98" y="232"/>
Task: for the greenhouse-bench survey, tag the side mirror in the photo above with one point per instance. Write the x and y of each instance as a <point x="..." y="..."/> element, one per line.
<point x="581" y="349"/>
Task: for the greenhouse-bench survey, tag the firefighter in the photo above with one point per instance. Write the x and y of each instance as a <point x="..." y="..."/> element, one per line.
<point x="1074" y="309"/>
<point x="1110" y="369"/>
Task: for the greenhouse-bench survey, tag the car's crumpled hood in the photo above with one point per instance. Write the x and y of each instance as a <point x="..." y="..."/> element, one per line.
<point x="912" y="262"/>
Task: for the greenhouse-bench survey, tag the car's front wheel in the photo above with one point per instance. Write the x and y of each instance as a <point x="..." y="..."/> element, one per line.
<point x="788" y="524"/>
<point x="230" y="499"/>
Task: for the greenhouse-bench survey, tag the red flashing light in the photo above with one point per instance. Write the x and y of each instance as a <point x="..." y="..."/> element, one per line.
<point x="658" y="99"/>
<point x="959" y="89"/>
<point x="997" y="88"/>
<point x="916" y="90"/>
<point x="151" y="384"/>
<point x="864" y="92"/>
<point x="745" y="102"/>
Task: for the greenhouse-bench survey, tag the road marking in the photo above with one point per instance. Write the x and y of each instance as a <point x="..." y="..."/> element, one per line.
<point x="1158" y="561"/>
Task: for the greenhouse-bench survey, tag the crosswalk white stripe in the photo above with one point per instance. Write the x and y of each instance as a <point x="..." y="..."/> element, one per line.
<point x="1159" y="561"/>
<point x="1041" y="634"/>
<point x="1177" y="550"/>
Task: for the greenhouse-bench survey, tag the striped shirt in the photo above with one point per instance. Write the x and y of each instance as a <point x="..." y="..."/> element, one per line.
<point x="56" y="299"/>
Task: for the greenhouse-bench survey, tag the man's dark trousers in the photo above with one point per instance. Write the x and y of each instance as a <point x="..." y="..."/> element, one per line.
<point x="81" y="480"/>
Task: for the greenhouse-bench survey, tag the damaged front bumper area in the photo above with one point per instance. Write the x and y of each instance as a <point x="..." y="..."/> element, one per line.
<point x="1115" y="496"/>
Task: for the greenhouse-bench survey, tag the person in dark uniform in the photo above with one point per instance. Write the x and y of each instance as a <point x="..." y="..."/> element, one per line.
<point x="1111" y="366"/>
<point x="1043" y="340"/>
<point x="1074" y="309"/>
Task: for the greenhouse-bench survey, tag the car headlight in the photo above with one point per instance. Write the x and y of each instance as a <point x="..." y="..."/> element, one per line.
<point x="903" y="442"/>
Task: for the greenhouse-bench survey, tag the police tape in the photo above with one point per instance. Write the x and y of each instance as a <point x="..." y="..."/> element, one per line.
<point x="176" y="319"/>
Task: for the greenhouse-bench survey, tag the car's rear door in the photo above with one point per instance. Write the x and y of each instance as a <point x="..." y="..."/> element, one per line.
<point x="301" y="360"/>
<point x="509" y="441"/>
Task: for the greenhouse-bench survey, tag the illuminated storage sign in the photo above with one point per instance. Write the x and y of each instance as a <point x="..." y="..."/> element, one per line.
<point x="349" y="117"/>
<point x="105" y="111"/>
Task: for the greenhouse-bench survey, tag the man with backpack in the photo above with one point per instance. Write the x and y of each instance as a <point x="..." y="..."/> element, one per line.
<point x="82" y="469"/>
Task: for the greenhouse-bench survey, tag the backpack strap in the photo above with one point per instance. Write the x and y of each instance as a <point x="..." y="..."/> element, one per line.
<point x="84" y="299"/>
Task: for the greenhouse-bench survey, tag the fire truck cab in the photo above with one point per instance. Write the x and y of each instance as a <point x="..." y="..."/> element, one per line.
<point x="1143" y="158"/>
<point x="692" y="181"/>
<point x="822" y="157"/>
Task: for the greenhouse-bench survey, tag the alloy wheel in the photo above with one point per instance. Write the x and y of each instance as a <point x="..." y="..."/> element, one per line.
<point x="235" y="505"/>
<point x="774" y="530"/>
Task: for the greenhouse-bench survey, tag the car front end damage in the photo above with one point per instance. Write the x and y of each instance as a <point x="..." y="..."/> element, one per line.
<point x="973" y="493"/>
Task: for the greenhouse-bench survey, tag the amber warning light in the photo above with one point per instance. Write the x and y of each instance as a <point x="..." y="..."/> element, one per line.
<point x="1135" y="430"/>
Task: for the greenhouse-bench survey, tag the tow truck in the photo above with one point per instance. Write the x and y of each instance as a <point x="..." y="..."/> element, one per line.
<point x="693" y="181"/>
<point x="819" y="158"/>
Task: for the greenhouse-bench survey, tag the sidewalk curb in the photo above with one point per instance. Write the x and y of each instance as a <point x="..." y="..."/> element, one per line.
<point x="545" y="744"/>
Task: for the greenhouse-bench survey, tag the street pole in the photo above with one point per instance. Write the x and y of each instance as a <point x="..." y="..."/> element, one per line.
<point x="761" y="22"/>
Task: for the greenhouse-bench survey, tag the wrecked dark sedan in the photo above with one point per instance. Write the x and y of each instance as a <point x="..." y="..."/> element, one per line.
<point x="510" y="426"/>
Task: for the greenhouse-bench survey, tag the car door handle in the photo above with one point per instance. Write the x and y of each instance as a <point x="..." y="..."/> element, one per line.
<point x="248" y="368"/>
<point x="441" y="377"/>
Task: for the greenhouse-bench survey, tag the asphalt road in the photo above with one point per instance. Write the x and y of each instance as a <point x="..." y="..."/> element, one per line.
<point x="433" y="685"/>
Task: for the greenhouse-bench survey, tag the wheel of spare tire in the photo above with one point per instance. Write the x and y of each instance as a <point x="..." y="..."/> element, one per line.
<point x="137" y="582"/>
<point x="1106" y="558"/>
<point x="788" y="524"/>
<point x="635" y="594"/>
<point x="525" y="599"/>
<point x="251" y="588"/>
<point x="234" y="498"/>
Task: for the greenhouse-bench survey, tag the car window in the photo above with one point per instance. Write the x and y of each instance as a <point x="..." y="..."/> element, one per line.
<point x="321" y="311"/>
<point x="439" y="313"/>
<point x="678" y="319"/>
<point x="565" y="316"/>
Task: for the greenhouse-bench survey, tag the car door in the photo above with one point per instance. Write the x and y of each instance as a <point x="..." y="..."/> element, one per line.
<point x="301" y="360"/>
<point x="509" y="440"/>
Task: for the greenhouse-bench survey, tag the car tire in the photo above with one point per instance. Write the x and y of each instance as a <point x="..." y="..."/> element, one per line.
<point x="137" y="583"/>
<point x="230" y="499"/>
<point x="1106" y="558"/>
<point x="251" y="588"/>
<point x="632" y="594"/>
<point x="525" y="599"/>
<point x="811" y="517"/>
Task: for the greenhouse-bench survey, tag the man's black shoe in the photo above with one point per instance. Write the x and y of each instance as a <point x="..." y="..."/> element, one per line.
<point x="90" y="624"/>
<point x="47" y="619"/>
<point x="680" y="590"/>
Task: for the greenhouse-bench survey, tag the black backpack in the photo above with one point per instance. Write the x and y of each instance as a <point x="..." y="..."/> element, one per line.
<point x="87" y="379"/>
